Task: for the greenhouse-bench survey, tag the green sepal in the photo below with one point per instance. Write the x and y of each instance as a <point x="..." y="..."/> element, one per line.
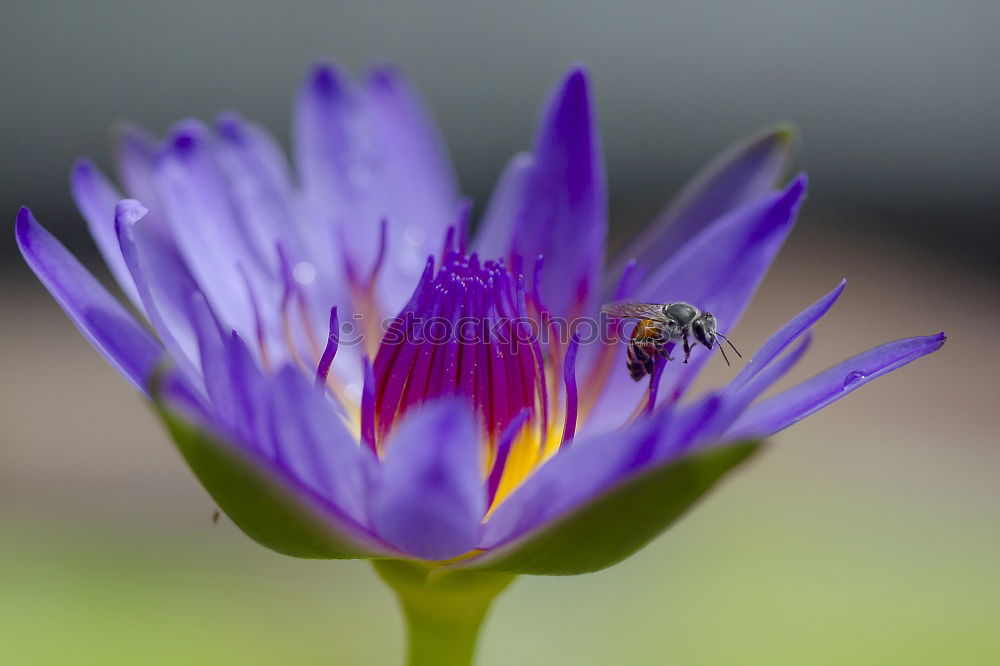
<point x="270" y="513"/>
<point x="618" y="522"/>
<point x="443" y="608"/>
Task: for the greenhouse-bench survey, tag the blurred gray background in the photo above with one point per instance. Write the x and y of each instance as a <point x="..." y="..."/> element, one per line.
<point x="868" y="534"/>
<point x="897" y="100"/>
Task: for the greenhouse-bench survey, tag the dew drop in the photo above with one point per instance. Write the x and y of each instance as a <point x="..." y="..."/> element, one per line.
<point x="353" y="391"/>
<point x="304" y="273"/>
<point x="853" y="378"/>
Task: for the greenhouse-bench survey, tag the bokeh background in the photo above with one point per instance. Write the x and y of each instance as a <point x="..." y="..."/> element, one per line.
<point x="869" y="534"/>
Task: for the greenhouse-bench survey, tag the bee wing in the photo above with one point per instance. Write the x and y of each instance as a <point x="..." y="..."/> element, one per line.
<point x="633" y="310"/>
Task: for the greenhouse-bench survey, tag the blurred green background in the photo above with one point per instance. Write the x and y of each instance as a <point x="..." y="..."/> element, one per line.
<point x="868" y="534"/>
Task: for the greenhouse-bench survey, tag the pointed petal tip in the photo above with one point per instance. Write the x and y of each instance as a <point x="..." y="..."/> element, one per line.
<point x="838" y="290"/>
<point x="834" y="295"/>
<point x="384" y="74"/>
<point x="83" y="167"/>
<point x="798" y="184"/>
<point x="577" y="75"/>
<point x="187" y="136"/>
<point x="575" y="86"/>
<point x="22" y="226"/>
<point x="326" y="78"/>
<point x="230" y="126"/>
<point x="792" y="196"/>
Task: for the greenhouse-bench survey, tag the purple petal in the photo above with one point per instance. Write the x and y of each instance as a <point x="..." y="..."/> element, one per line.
<point x="500" y="218"/>
<point x="742" y="173"/>
<point x="561" y="212"/>
<point x="572" y="476"/>
<point x="785" y="336"/>
<point x="135" y="157"/>
<point x="430" y="499"/>
<point x="276" y="464"/>
<point x="281" y="417"/>
<point x="417" y="170"/>
<point x="202" y="223"/>
<point x="103" y="321"/>
<point x="332" y="154"/>
<point x="718" y="271"/>
<point x="165" y="285"/>
<point x="360" y="156"/>
<point x="313" y="444"/>
<point x="737" y="397"/>
<point x="223" y="395"/>
<point x="96" y="197"/>
<point x="256" y="173"/>
<point x="793" y="405"/>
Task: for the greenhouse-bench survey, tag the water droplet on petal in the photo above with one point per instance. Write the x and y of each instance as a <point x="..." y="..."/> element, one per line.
<point x="304" y="273"/>
<point x="353" y="391"/>
<point x="853" y="378"/>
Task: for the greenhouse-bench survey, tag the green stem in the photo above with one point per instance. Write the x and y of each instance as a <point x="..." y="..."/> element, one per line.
<point x="443" y="610"/>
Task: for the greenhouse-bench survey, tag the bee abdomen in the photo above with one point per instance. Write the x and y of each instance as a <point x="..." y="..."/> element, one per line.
<point x="638" y="361"/>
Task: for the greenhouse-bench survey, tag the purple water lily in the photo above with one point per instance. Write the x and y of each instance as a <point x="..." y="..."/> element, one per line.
<point x="350" y="373"/>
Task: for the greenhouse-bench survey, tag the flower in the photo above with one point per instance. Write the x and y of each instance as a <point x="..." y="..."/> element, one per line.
<point x="480" y="428"/>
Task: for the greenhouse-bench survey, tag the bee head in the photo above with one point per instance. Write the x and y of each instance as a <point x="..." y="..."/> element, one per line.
<point x="703" y="329"/>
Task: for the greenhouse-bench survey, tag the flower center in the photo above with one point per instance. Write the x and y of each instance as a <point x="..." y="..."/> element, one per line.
<point x="471" y="329"/>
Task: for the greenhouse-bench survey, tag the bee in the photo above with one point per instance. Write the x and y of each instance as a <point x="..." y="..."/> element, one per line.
<point x="661" y="324"/>
<point x="215" y="517"/>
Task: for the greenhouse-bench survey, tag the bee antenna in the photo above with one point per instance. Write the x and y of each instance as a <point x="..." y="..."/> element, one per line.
<point x="730" y="344"/>
<point x="723" y="350"/>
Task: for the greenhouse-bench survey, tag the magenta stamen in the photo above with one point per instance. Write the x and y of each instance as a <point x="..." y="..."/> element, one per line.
<point x="330" y="351"/>
<point x="520" y="376"/>
<point x="569" y="376"/>
<point x="368" y="408"/>
<point x="498" y="386"/>
<point x="462" y="333"/>
<point x="416" y="383"/>
<point x="536" y="352"/>
<point x="481" y="399"/>
<point x="503" y="452"/>
<point x="396" y="332"/>
<point x="391" y="391"/>
<point x="443" y="374"/>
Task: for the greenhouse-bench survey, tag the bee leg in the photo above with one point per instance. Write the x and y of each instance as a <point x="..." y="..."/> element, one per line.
<point x="664" y="353"/>
<point x="687" y="348"/>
